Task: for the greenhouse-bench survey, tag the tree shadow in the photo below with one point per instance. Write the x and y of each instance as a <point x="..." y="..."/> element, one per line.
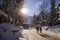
<point x="44" y="35"/>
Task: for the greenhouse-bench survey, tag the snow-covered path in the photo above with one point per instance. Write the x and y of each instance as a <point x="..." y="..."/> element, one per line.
<point x="31" y="34"/>
<point x="53" y="36"/>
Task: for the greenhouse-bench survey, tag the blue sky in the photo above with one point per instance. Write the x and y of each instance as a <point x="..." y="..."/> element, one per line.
<point x="32" y="7"/>
<point x="35" y="6"/>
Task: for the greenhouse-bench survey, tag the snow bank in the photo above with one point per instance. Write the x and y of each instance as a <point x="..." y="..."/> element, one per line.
<point x="9" y="32"/>
<point x="55" y="28"/>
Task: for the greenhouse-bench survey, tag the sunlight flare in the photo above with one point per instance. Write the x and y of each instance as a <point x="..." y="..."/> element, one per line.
<point x="24" y="10"/>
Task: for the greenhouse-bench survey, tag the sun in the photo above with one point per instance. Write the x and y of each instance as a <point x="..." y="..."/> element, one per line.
<point x="24" y="10"/>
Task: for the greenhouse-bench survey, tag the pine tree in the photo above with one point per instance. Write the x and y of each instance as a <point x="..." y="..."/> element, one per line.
<point x="42" y="18"/>
<point x="34" y="19"/>
<point x="53" y="13"/>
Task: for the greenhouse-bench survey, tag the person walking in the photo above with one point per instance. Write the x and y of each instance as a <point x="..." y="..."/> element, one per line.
<point x="40" y="29"/>
<point x="37" y="29"/>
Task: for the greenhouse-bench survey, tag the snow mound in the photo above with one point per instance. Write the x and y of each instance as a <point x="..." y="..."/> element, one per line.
<point x="55" y="28"/>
